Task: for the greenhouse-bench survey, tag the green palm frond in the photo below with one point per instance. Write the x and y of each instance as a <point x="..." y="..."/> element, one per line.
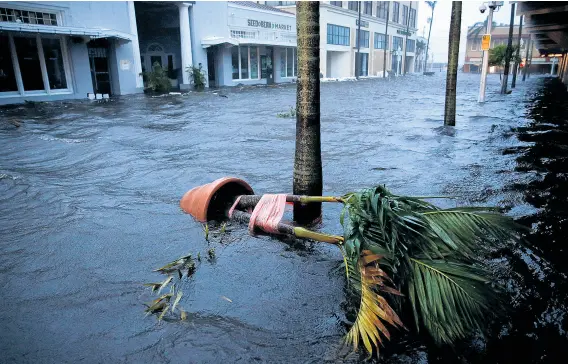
<point x="374" y="311"/>
<point x="450" y="299"/>
<point x="430" y="253"/>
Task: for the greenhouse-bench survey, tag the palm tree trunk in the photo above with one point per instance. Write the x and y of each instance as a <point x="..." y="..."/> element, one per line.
<point x="509" y="51"/>
<point x="516" y="65"/>
<point x="453" y="55"/>
<point x="428" y="42"/>
<point x="386" y="42"/>
<point x="307" y="160"/>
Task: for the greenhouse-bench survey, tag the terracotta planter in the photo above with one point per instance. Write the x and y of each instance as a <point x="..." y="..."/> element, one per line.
<point x="213" y="199"/>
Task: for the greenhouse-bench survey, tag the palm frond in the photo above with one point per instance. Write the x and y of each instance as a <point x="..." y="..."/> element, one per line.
<point x="450" y="299"/>
<point x="374" y="311"/>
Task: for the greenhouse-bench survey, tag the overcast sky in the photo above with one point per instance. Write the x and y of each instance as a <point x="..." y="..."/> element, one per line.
<point x="441" y="25"/>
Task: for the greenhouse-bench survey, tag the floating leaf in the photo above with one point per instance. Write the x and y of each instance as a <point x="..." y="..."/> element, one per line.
<point x="183" y="315"/>
<point x="226" y="299"/>
<point x="176" y="301"/>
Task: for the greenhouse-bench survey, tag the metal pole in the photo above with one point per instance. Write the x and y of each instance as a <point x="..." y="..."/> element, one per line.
<point x="358" y="37"/>
<point x="406" y="37"/>
<point x="485" y="59"/>
<point x="509" y="51"/>
<point x="526" y="59"/>
<point x="552" y="67"/>
<point x="516" y="66"/>
<point x="386" y="43"/>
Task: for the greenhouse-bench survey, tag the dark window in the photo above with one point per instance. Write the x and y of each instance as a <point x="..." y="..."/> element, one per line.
<point x="368" y="8"/>
<point x="54" y="63"/>
<point x="7" y="75"/>
<point x="380" y="41"/>
<point x="382" y="9"/>
<point x="364" y="39"/>
<point x="337" y="3"/>
<point x="363" y="60"/>
<point x="404" y="14"/>
<point x="353" y="5"/>
<point x="337" y="35"/>
<point x="395" y="11"/>
<point x="397" y="43"/>
<point x="28" y="58"/>
<point x="413" y="18"/>
<point x="235" y="62"/>
<point x="410" y="45"/>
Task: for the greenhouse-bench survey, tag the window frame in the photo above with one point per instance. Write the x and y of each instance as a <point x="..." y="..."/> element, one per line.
<point x="404" y="15"/>
<point x="412" y="17"/>
<point x="413" y="42"/>
<point x="350" y="5"/>
<point x="368" y="5"/>
<point x="377" y="37"/>
<point x="382" y="9"/>
<point x="294" y="62"/>
<point x="346" y="37"/>
<point x="366" y="39"/>
<point x="248" y="64"/>
<point x="394" y="37"/>
<point x="41" y="55"/>
<point x="395" y="11"/>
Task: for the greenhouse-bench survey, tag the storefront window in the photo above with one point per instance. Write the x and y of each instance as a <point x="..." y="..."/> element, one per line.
<point x="288" y="62"/>
<point x="30" y="68"/>
<point x="244" y="62"/>
<point x="247" y="56"/>
<point x="235" y="62"/>
<point x="7" y="74"/>
<point x="54" y="63"/>
<point x="37" y="65"/>
<point x="253" y="62"/>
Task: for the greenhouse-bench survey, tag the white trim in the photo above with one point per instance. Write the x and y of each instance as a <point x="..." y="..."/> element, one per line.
<point x="16" y="65"/>
<point x="66" y="63"/>
<point x="257" y="10"/>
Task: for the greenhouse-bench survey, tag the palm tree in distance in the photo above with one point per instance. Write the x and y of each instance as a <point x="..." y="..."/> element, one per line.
<point x="432" y="5"/>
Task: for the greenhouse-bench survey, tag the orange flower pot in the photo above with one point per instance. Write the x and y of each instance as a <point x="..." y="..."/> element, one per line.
<point x="213" y="199"/>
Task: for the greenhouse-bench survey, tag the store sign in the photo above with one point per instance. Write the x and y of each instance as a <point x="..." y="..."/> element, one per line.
<point x="404" y="32"/>
<point x="268" y="24"/>
<point x="364" y="23"/>
<point x="485" y="41"/>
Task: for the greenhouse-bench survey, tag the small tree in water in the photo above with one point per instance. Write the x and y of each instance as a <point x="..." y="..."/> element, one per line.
<point x="197" y="76"/>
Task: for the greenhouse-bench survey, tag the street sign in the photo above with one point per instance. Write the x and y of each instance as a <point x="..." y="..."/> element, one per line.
<point x="485" y="41"/>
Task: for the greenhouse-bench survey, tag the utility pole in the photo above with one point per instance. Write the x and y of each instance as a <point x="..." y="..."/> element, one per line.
<point x="485" y="65"/>
<point x="406" y="37"/>
<point x="516" y="65"/>
<point x="386" y="42"/>
<point x="526" y="59"/>
<point x="509" y="51"/>
<point x="358" y="37"/>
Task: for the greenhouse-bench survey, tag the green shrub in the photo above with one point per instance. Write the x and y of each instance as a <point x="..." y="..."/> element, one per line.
<point x="197" y="76"/>
<point x="157" y="79"/>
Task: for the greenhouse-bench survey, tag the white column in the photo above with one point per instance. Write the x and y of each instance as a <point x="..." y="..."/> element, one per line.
<point x="135" y="45"/>
<point x="185" y="37"/>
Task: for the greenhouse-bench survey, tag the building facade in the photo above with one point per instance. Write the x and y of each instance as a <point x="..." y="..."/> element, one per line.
<point x="339" y="53"/>
<point x="500" y="36"/>
<point x="59" y="50"/>
<point x="52" y="50"/>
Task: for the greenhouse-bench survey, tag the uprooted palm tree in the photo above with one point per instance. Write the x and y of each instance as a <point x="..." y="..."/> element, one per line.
<point x="404" y="252"/>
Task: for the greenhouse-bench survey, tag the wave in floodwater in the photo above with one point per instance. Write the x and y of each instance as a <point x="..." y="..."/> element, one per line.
<point x="89" y="198"/>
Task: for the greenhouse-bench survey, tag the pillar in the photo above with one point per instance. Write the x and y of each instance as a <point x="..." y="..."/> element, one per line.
<point x="185" y="37"/>
<point x="135" y="45"/>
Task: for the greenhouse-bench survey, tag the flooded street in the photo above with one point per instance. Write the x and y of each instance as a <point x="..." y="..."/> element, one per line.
<point x="89" y="206"/>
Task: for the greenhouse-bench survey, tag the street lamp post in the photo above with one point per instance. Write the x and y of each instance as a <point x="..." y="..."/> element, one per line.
<point x="492" y="6"/>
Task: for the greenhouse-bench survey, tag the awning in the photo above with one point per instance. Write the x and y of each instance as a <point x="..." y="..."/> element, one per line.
<point x="93" y="33"/>
<point x="213" y="41"/>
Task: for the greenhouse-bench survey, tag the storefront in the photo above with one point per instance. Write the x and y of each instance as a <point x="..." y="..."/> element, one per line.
<point x="257" y="45"/>
<point x="45" y="56"/>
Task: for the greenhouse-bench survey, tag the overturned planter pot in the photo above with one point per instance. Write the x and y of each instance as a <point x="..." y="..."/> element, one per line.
<point x="212" y="200"/>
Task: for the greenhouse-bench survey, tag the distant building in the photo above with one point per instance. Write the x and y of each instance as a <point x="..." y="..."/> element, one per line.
<point x="338" y="36"/>
<point x="500" y="35"/>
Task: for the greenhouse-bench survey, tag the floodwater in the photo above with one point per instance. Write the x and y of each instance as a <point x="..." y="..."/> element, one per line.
<point x="89" y="196"/>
